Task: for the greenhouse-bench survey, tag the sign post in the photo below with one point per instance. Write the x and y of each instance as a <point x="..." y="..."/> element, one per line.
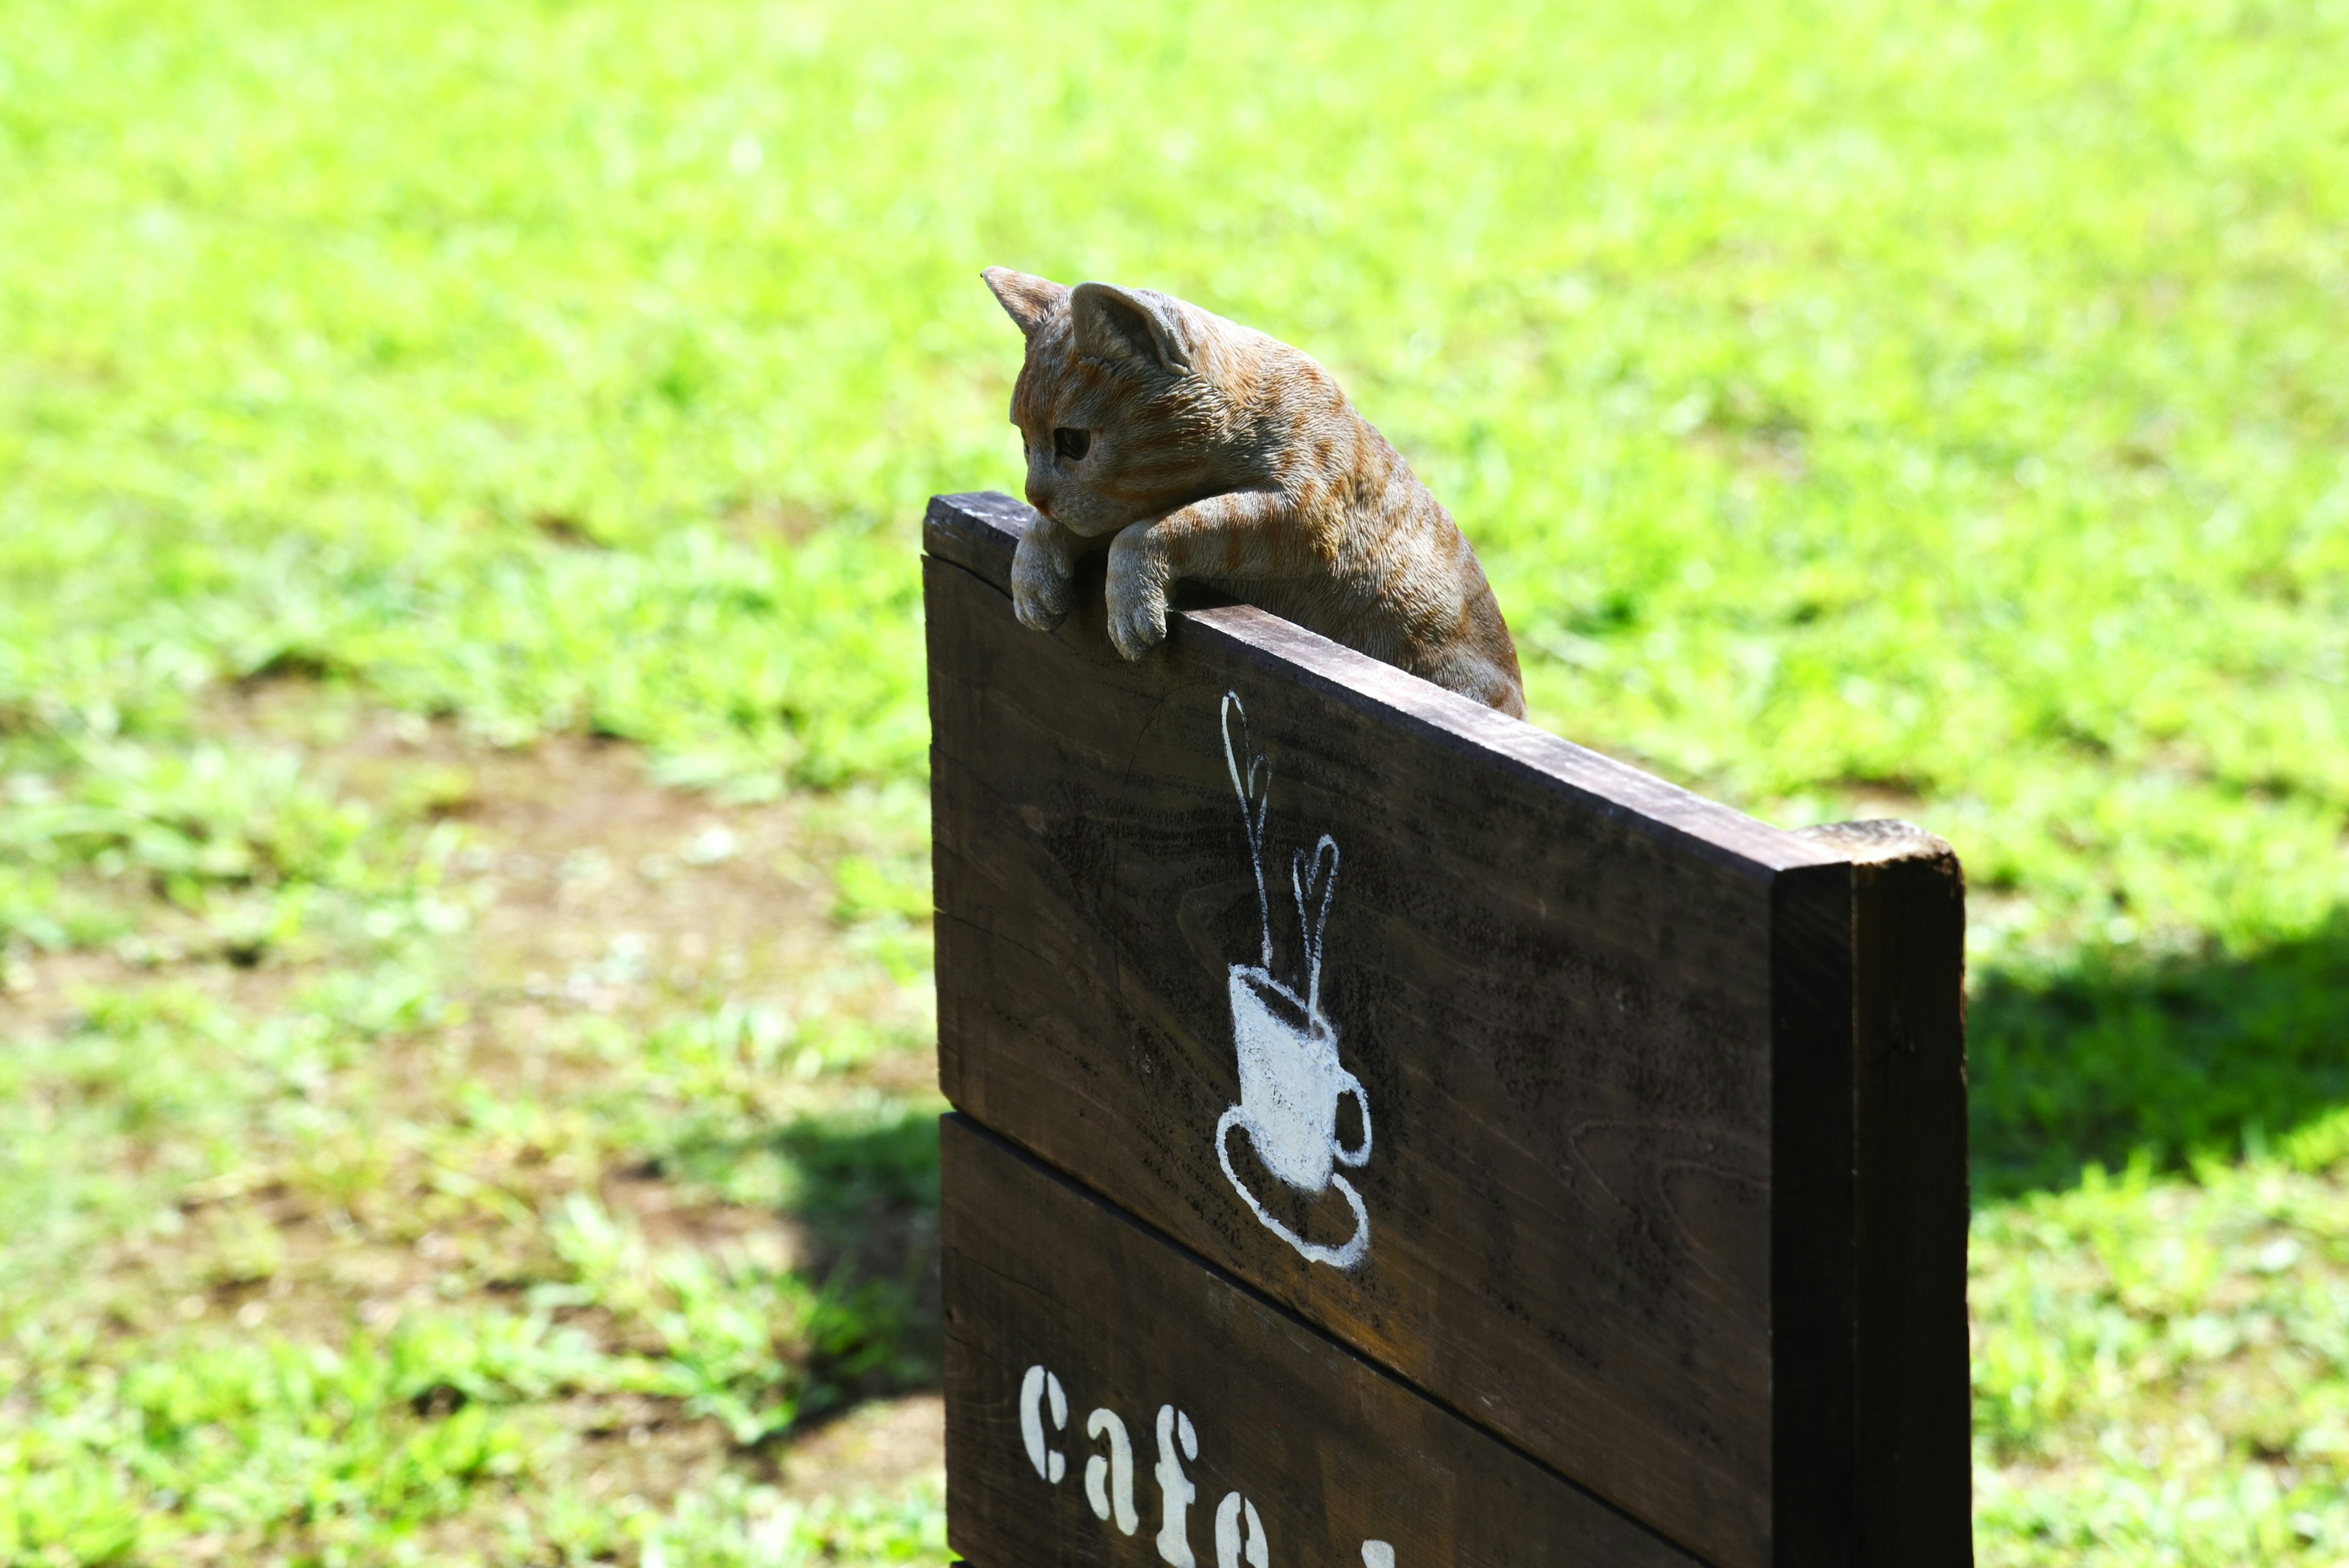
<point x="1388" y="1133"/>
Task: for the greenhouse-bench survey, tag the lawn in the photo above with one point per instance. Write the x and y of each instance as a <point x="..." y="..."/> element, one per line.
<point x="463" y="1080"/>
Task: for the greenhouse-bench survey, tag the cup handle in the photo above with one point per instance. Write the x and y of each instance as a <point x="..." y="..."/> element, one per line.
<point x="1353" y="1156"/>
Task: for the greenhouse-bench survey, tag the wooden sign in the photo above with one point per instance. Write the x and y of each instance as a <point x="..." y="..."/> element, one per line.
<point x="1116" y="1401"/>
<point x="1606" y="1144"/>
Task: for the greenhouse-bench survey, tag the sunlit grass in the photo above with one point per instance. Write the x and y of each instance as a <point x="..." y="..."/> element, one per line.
<point x="303" y="1201"/>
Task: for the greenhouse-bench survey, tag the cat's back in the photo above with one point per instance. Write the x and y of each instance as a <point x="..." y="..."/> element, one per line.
<point x="1377" y="562"/>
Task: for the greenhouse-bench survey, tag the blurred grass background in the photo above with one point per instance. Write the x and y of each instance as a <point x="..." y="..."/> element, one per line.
<point x="1861" y="410"/>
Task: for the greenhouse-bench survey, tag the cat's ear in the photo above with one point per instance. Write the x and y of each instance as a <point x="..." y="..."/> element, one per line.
<point x="1138" y="324"/>
<point x="1025" y="298"/>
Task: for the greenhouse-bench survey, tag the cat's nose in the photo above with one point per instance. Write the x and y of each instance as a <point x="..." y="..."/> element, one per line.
<point x="1040" y="495"/>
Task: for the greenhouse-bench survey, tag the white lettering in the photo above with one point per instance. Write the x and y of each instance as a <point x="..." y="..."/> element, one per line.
<point x="1109" y="1483"/>
<point x="1227" y="1534"/>
<point x="1174" y="1488"/>
<point x="1050" y="1463"/>
<point x="1239" y="1533"/>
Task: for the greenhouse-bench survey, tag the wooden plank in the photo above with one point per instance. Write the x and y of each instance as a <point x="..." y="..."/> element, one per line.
<point x="1607" y="1032"/>
<point x="1332" y="1454"/>
<point x="977" y="532"/>
<point x="1914" y="1402"/>
<point x="1813" y="1459"/>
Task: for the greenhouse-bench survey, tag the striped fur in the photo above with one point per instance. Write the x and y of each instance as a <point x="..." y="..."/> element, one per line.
<point x="1213" y="454"/>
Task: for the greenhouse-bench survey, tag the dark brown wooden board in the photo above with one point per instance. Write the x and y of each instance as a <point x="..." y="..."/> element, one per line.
<point x="1642" y="1197"/>
<point x="1915" y="1401"/>
<point x="1330" y="1451"/>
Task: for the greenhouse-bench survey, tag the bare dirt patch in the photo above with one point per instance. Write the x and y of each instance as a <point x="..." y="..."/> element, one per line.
<point x="596" y="897"/>
<point x="881" y="1444"/>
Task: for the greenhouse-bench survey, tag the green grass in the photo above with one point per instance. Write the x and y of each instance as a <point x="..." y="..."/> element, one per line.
<point x="304" y="1198"/>
<point x="1858" y="408"/>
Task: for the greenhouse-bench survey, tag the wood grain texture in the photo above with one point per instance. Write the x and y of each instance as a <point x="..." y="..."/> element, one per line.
<point x="1330" y="1451"/>
<point x="1914" y="1402"/>
<point x="977" y="532"/>
<point x="1612" y="1036"/>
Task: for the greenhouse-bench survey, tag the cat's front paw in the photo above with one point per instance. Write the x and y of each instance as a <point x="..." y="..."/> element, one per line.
<point x="1040" y="583"/>
<point x="1137" y="593"/>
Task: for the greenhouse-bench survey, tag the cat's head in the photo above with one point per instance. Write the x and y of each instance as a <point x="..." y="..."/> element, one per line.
<point x="1117" y="402"/>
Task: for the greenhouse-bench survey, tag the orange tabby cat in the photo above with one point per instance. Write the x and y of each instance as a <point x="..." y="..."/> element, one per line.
<point x="1215" y="454"/>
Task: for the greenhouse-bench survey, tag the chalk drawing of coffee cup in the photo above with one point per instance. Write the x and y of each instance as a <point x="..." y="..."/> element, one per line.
<point x="1292" y="1079"/>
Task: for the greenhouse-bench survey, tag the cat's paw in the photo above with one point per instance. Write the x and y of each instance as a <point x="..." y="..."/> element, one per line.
<point x="1137" y="593"/>
<point x="1040" y="584"/>
<point x="1139" y="624"/>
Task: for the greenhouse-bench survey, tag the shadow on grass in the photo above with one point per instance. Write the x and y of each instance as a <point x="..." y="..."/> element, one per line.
<point x="2168" y="1059"/>
<point x="868" y="1199"/>
<point x="864" y="1187"/>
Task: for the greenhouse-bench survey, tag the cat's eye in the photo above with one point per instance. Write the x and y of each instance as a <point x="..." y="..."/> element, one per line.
<point x="1072" y="445"/>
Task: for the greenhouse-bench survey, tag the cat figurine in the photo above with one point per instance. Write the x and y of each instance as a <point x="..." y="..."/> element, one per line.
<point x="1206" y="452"/>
